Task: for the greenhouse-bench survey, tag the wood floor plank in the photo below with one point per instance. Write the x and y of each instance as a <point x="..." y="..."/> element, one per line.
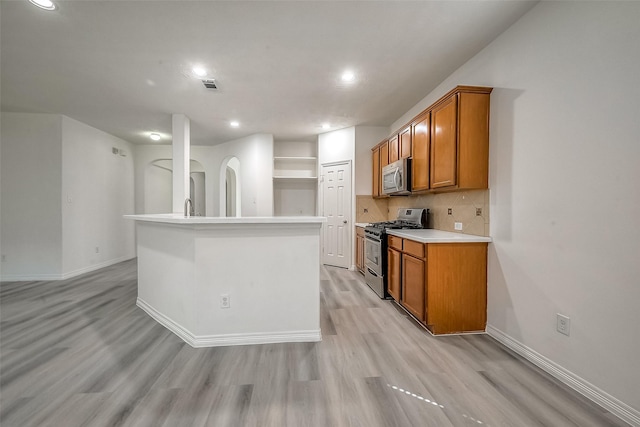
<point x="78" y="352"/>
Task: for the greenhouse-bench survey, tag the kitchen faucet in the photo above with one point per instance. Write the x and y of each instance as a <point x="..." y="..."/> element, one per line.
<point x="188" y="212"/>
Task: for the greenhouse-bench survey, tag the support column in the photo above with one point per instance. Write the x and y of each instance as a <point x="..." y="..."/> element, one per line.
<point x="181" y="160"/>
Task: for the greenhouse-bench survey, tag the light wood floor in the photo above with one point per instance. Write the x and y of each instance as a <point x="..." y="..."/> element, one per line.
<point x="79" y="352"/>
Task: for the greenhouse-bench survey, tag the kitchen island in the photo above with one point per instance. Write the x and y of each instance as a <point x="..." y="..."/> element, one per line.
<point x="217" y="281"/>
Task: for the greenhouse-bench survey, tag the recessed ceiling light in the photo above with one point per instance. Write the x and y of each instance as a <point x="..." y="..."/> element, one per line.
<point x="326" y="126"/>
<point x="234" y="124"/>
<point x="199" y="71"/>
<point x="44" y="4"/>
<point x="155" y="136"/>
<point x="348" y="76"/>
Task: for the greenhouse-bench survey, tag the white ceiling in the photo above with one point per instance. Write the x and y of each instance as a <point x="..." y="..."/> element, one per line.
<point x="124" y="66"/>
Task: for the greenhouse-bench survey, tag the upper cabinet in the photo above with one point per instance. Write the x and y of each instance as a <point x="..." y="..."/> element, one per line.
<point x="448" y="143"/>
<point x="420" y="149"/>
<point x="404" y="138"/>
<point x="375" y="167"/>
<point x="443" y="165"/>
<point x="384" y="154"/>
<point x="393" y="149"/>
<point x="460" y="139"/>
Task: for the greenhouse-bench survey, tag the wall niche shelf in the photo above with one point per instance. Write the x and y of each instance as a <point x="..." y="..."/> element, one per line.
<point x="295" y="167"/>
<point x="295" y="178"/>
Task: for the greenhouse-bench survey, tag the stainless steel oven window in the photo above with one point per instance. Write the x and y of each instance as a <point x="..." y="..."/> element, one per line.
<point x="373" y="255"/>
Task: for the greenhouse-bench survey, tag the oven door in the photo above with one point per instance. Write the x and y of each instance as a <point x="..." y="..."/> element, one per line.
<point x="373" y="255"/>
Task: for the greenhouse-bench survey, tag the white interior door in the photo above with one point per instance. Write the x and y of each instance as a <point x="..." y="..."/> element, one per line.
<point x="336" y="206"/>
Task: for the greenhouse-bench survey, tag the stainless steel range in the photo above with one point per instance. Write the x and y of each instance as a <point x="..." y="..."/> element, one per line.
<point x="375" y="246"/>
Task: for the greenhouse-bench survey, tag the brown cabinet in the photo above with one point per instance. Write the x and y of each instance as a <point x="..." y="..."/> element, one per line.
<point x="380" y="159"/>
<point x="404" y="138"/>
<point x="459" y="157"/>
<point x="413" y="285"/>
<point x="394" y="273"/>
<point x="443" y="165"/>
<point x="375" y="167"/>
<point x="384" y="154"/>
<point x="360" y="249"/>
<point x="394" y="149"/>
<point x="456" y="287"/>
<point x="420" y="149"/>
<point x="443" y="285"/>
<point x="448" y="143"/>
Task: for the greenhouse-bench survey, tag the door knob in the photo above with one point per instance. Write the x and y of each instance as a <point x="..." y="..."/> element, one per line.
<point x="344" y="222"/>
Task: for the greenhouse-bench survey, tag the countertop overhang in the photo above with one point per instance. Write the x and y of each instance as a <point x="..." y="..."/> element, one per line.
<point x="427" y="235"/>
<point x="217" y="220"/>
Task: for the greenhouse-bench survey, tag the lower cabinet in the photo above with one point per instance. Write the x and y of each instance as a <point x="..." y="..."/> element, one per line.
<point x="413" y="286"/>
<point x="443" y="285"/>
<point x="360" y="249"/>
<point x="394" y="273"/>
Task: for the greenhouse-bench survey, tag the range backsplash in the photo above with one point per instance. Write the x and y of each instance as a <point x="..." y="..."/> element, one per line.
<point x="464" y="207"/>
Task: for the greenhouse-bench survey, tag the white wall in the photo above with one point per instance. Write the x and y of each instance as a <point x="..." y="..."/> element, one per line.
<point x="63" y="195"/>
<point x="367" y="137"/>
<point x="97" y="190"/>
<point x="564" y="195"/>
<point x="255" y="154"/>
<point x="158" y="189"/>
<point x="31" y="217"/>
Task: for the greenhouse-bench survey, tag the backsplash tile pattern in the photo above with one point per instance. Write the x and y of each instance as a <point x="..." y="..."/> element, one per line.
<point x="463" y="205"/>
<point x="369" y="209"/>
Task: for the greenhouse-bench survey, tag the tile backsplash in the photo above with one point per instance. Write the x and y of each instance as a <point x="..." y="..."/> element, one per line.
<point x="471" y="208"/>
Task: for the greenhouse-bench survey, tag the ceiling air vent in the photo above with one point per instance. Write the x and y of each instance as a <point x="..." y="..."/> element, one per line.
<point x="209" y="83"/>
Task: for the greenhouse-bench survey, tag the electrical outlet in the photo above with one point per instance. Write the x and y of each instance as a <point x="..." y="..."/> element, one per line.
<point x="449" y="211"/>
<point x="563" y="324"/>
<point x="458" y="226"/>
<point x="225" y="301"/>
<point x="478" y="211"/>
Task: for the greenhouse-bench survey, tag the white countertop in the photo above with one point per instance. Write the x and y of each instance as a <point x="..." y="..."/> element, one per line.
<point x="361" y="224"/>
<point x="181" y="219"/>
<point x="437" y="236"/>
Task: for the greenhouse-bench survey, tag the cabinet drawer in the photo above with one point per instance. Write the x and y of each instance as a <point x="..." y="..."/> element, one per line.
<point x="395" y="242"/>
<point x="359" y="231"/>
<point x="415" y="249"/>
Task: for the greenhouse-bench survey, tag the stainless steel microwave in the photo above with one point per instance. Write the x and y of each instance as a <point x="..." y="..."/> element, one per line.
<point x="396" y="178"/>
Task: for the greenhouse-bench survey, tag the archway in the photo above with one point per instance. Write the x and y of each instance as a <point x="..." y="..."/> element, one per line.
<point x="158" y="187"/>
<point x="230" y="188"/>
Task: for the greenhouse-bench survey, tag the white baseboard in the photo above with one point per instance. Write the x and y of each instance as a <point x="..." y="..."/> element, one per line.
<point x="608" y="402"/>
<point x="228" y="339"/>
<point x="95" y="267"/>
<point x="63" y="276"/>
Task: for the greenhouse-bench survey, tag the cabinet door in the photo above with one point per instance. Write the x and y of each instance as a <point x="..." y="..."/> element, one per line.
<point x="394" y="149"/>
<point x="384" y="154"/>
<point x="375" y="167"/>
<point x="360" y="253"/>
<point x="420" y="154"/>
<point x="456" y="287"/>
<point x="394" y="272"/>
<point x="444" y="143"/>
<point x="405" y="143"/>
<point x="413" y="286"/>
